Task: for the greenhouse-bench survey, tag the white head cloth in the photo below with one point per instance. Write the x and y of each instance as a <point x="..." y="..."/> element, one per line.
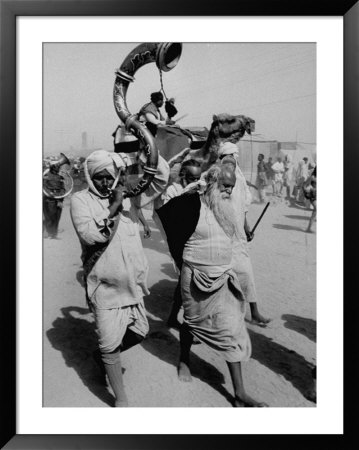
<point x="98" y="161"/>
<point x="227" y="148"/>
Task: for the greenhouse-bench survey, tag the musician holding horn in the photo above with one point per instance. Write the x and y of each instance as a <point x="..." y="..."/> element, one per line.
<point x="106" y="221"/>
<point x="54" y="192"/>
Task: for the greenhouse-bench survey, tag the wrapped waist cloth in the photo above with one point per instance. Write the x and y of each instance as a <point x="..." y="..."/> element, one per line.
<point x="208" y="279"/>
<point x="111" y="325"/>
<point x="214" y="312"/>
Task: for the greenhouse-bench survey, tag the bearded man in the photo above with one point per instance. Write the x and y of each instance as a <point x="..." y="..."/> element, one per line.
<point x="115" y="266"/>
<point x="200" y="231"/>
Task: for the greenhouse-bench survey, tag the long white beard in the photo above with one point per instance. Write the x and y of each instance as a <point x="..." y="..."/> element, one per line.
<point x="222" y="210"/>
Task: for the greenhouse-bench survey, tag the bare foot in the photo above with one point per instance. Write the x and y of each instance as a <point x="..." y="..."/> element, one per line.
<point x="247" y="402"/>
<point x="184" y="374"/>
<point x="260" y="320"/>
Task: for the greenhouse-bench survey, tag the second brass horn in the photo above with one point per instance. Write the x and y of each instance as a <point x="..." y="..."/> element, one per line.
<point x="63" y="160"/>
<point x="68" y="181"/>
<point x="166" y="56"/>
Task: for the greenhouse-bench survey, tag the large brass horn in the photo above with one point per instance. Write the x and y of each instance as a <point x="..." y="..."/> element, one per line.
<point x="68" y="181"/>
<point x="166" y="56"/>
<point x="63" y="160"/>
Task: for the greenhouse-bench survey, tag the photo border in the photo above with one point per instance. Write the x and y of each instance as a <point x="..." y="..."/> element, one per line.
<point x="9" y="10"/>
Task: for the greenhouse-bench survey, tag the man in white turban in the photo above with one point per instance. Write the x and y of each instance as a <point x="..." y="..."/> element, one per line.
<point x="115" y="266"/>
<point x="241" y="199"/>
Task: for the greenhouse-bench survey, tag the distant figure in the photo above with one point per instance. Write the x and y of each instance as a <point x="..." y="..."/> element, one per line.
<point x="288" y="176"/>
<point x="278" y="169"/>
<point x="261" y="178"/>
<point x="52" y="206"/>
<point x="151" y="115"/>
<point x="301" y="177"/>
<point x="310" y="193"/>
<point x="76" y="167"/>
<point x="270" y="173"/>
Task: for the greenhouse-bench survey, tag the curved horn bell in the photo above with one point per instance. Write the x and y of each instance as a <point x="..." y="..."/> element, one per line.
<point x="63" y="160"/>
<point x="166" y="56"/>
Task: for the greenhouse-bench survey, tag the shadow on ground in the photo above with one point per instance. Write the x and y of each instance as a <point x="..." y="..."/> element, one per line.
<point x="287" y="227"/>
<point x="76" y="339"/>
<point x="295" y="205"/>
<point x="288" y="363"/>
<point x="162" y="344"/>
<point x="168" y="269"/>
<point x="302" y="325"/>
<point x="296" y="217"/>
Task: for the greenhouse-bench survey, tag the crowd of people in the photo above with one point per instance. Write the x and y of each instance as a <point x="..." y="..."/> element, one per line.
<point x="202" y="215"/>
<point x="283" y="179"/>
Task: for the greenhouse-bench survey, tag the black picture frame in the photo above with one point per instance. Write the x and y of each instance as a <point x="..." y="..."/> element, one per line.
<point x="9" y="10"/>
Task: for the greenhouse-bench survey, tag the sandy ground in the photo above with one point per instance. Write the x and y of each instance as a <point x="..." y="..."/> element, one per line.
<point x="279" y="372"/>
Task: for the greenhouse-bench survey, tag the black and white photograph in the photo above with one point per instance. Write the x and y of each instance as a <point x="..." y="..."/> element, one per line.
<point x="179" y="242"/>
<point x="164" y="252"/>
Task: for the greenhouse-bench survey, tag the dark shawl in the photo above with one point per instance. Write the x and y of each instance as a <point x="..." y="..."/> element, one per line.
<point x="179" y="219"/>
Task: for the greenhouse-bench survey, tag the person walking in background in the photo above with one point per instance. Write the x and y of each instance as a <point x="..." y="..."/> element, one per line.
<point x="288" y="176"/>
<point x="302" y="174"/>
<point x="310" y="193"/>
<point x="261" y="181"/>
<point x="54" y="183"/>
<point x="270" y="173"/>
<point x="278" y="169"/>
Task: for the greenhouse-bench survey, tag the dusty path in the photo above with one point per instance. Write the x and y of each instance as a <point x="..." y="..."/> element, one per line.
<point x="279" y="372"/>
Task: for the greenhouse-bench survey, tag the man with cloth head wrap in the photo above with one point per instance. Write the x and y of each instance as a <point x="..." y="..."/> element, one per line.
<point x="241" y="199"/>
<point x="225" y="131"/>
<point x="115" y="266"/>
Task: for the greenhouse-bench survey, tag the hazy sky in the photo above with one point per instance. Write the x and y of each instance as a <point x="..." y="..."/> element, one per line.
<point x="274" y="83"/>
